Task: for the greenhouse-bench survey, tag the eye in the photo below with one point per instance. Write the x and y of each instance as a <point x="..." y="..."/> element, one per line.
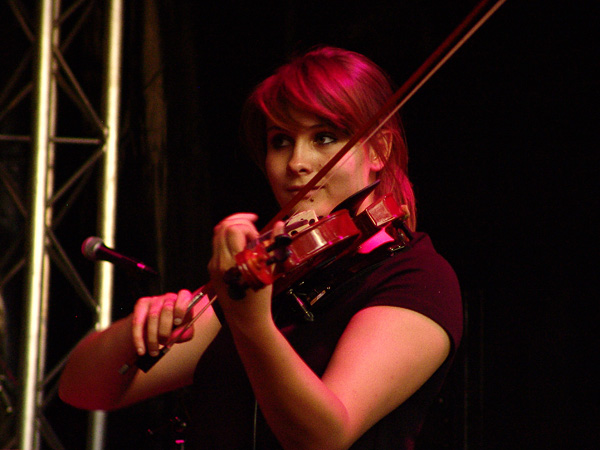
<point x="279" y="140"/>
<point x="325" y="138"/>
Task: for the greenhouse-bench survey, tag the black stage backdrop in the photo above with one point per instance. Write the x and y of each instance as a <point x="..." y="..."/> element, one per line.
<point x="502" y="157"/>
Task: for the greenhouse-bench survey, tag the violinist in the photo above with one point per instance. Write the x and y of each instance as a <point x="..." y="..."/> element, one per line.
<point x="363" y="369"/>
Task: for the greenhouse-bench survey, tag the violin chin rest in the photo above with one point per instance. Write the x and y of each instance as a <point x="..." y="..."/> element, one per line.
<point x="353" y="202"/>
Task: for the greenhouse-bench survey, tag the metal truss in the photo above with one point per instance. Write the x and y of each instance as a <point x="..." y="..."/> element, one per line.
<point x="43" y="84"/>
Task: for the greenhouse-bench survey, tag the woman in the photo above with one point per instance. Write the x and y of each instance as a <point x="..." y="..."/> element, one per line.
<point x="364" y="371"/>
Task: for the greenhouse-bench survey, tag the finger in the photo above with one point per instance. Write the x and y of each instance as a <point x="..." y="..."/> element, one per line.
<point x="237" y="237"/>
<point x="240" y="219"/>
<point x="152" y="323"/>
<point x="235" y="220"/>
<point x="278" y="228"/>
<point x="165" y="319"/>
<point x="231" y="240"/>
<point x="184" y="298"/>
<point x="230" y="237"/>
<point x="140" y="315"/>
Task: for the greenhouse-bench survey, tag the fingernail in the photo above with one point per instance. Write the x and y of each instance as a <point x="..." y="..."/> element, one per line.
<point x="177" y="321"/>
<point x="140" y="351"/>
<point x="153" y="353"/>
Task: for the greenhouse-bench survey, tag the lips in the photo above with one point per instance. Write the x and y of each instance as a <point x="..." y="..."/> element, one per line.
<point x="295" y="189"/>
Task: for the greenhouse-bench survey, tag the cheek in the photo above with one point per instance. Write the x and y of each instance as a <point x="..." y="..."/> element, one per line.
<point x="271" y="170"/>
<point x="269" y="164"/>
<point x="352" y="170"/>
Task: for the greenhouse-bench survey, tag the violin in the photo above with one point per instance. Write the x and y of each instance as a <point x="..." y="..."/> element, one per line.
<point x="284" y="260"/>
<point x="302" y="249"/>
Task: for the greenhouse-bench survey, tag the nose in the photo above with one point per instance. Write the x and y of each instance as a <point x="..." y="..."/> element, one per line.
<point x="299" y="160"/>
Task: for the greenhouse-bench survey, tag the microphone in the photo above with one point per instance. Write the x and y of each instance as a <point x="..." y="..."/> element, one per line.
<point x="93" y="248"/>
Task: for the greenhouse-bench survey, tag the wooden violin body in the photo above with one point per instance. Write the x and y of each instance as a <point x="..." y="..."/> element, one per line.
<point x="333" y="237"/>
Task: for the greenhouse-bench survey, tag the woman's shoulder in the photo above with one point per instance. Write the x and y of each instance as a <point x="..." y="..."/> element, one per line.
<point x="418" y="256"/>
<point x="420" y="279"/>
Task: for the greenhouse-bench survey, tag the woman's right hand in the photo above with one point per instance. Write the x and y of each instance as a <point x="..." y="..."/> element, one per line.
<point x="93" y="377"/>
<point x="155" y="319"/>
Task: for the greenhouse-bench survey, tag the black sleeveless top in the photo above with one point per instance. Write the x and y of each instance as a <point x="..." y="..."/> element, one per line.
<point x="221" y="403"/>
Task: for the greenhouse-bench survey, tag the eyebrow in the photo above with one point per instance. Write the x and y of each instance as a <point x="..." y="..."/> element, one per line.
<point x="312" y="127"/>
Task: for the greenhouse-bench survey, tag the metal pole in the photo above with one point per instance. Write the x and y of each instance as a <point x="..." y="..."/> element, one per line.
<point x="48" y="217"/>
<point x="108" y="196"/>
<point x="34" y="290"/>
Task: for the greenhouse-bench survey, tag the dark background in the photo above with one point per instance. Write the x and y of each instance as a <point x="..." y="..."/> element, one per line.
<point x="503" y="158"/>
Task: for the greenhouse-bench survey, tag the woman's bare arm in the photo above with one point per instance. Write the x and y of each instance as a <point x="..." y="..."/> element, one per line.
<point x="92" y="377"/>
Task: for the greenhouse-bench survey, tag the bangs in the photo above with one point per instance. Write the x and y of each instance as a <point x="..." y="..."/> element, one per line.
<point x="311" y="88"/>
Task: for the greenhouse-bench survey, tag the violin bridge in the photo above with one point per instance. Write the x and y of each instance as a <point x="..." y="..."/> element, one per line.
<point x="300" y="222"/>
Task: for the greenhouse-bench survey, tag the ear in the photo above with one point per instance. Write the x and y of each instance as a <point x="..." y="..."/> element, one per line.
<point x="379" y="150"/>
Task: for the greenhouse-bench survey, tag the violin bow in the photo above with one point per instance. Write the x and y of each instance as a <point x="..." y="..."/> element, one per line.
<point x="470" y="24"/>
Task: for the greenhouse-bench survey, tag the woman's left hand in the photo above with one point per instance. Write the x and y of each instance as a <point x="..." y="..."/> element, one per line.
<point x="230" y="237"/>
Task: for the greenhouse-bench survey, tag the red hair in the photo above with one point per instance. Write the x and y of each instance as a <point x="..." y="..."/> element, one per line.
<point x="343" y="88"/>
